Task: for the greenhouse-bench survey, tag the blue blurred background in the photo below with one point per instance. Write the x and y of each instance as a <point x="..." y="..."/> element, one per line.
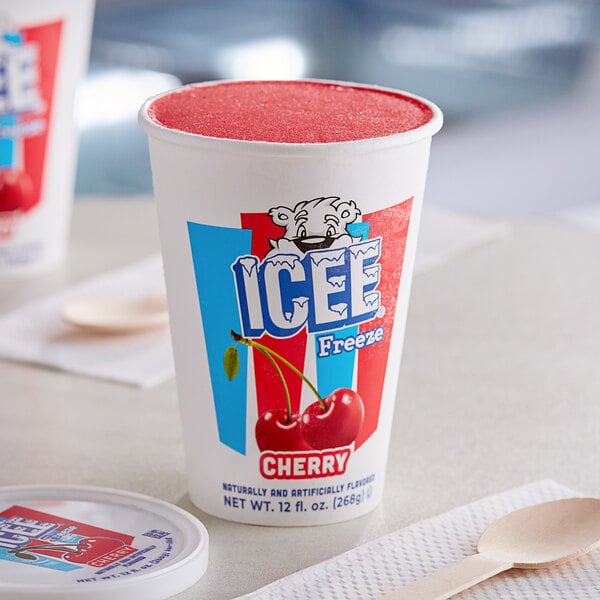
<point x="518" y="81"/>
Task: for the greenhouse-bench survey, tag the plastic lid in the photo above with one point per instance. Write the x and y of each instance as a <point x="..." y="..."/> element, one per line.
<point x="88" y="543"/>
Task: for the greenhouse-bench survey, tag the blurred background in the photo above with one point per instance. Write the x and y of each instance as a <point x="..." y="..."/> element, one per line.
<point x="517" y="80"/>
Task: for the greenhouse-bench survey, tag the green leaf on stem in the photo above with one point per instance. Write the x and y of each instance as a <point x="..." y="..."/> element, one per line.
<point x="25" y="556"/>
<point x="231" y="362"/>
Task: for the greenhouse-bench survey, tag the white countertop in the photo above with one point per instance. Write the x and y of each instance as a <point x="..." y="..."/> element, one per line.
<point x="500" y="386"/>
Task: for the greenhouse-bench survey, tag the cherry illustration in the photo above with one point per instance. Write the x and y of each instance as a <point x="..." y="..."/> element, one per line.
<point x="16" y="191"/>
<point x="85" y="551"/>
<point x="57" y="550"/>
<point x="278" y="430"/>
<point x="333" y="421"/>
<point x="89" y="549"/>
<point x="330" y="422"/>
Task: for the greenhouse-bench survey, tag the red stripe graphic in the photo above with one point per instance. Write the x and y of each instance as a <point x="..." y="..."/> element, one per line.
<point x="79" y="528"/>
<point x="391" y="224"/>
<point x="269" y="391"/>
<point x="47" y="38"/>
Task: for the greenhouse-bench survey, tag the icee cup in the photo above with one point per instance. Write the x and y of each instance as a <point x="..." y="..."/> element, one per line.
<point x="44" y="49"/>
<point x="288" y="215"/>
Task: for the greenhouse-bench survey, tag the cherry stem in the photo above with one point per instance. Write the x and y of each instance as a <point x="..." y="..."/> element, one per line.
<point x="238" y="338"/>
<point x="60" y="547"/>
<point x="288" y="400"/>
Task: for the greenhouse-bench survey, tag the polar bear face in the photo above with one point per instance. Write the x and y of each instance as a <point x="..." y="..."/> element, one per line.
<point x="314" y="224"/>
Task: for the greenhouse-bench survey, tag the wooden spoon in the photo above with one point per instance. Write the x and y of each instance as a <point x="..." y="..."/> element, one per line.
<point x="535" y="537"/>
<point x="118" y="316"/>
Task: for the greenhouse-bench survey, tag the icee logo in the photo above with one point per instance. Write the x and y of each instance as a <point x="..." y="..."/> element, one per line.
<point x="321" y="289"/>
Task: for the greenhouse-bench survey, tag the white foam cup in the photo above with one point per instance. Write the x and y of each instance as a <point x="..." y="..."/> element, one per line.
<point x="305" y="251"/>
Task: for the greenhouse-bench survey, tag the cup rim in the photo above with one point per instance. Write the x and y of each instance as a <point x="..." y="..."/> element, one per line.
<point x="184" y="138"/>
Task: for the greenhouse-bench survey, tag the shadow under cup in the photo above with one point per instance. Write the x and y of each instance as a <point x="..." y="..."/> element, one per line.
<point x="288" y="257"/>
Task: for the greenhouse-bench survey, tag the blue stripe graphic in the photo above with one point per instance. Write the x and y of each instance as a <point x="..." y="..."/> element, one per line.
<point x="214" y="250"/>
<point x="7" y="144"/>
<point x="337" y="370"/>
<point x="41" y="561"/>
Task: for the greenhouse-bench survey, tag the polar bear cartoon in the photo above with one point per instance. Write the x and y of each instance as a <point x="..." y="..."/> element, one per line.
<point x="314" y="225"/>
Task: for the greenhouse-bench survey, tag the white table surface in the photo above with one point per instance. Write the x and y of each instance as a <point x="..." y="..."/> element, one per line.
<point x="500" y="386"/>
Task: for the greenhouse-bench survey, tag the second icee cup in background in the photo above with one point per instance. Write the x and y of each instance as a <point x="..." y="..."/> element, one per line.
<point x="288" y="214"/>
<point x="44" y="49"/>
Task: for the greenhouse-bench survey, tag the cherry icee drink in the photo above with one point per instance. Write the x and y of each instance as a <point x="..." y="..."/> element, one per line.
<point x="288" y="213"/>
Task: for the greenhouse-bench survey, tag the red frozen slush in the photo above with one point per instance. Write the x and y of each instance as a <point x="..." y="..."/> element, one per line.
<point x="294" y="112"/>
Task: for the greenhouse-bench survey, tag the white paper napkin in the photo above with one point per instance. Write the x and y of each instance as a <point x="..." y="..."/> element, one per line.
<point x="36" y="333"/>
<point x="367" y="572"/>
